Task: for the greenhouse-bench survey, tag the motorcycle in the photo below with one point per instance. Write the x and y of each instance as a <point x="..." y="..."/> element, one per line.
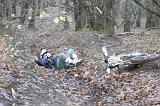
<point x="127" y="61"/>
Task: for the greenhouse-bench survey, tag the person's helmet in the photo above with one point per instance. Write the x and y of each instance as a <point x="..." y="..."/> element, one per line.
<point x="48" y="54"/>
<point x="44" y="53"/>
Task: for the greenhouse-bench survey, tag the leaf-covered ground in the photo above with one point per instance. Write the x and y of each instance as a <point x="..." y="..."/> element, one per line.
<point x="23" y="82"/>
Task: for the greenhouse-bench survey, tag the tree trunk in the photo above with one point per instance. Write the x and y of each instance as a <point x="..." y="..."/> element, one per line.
<point x="138" y="20"/>
<point x="157" y="13"/>
<point x="39" y="7"/>
<point x="8" y="9"/>
<point x="66" y="22"/>
<point x="157" y="21"/>
<point x="32" y="20"/>
<point x="78" y="15"/>
<point x="98" y="17"/>
<point x="90" y="16"/>
<point x="24" y="11"/>
<point x="150" y="22"/>
<point x="108" y="21"/>
<point x="127" y="18"/>
<point x="1" y="9"/>
<point x="14" y="3"/>
<point x="44" y="4"/>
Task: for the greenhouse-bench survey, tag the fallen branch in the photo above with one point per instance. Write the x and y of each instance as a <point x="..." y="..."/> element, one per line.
<point x="153" y="28"/>
<point x="125" y="34"/>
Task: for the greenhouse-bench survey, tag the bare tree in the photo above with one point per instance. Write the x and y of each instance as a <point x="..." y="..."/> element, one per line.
<point x="66" y="22"/>
<point x="14" y="4"/>
<point x="1" y="9"/>
<point x="32" y="20"/>
<point x="7" y="9"/>
<point x="108" y="20"/>
<point x="78" y="14"/>
<point x="24" y="11"/>
<point x="39" y="7"/>
<point x="151" y="18"/>
<point x="152" y="10"/>
<point x="127" y="18"/>
<point x="138" y="17"/>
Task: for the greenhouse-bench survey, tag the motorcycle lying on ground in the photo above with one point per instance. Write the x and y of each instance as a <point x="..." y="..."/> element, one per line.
<point x="116" y="63"/>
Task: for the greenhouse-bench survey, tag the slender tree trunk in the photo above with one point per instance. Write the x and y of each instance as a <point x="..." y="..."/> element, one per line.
<point x="78" y="15"/>
<point x="24" y="11"/>
<point x="44" y="4"/>
<point x="66" y="22"/>
<point x="90" y="16"/>
<point x="32" y="20"/>
<point x="157" y="21"/>
<point x="98" y="17"/>
<point x="8" y="9"/>
<point x="14" y="3"/>
<point x="1" y="9"/>
<point x="127" y="19"/>
<point x="108" y="21"/>
<point x="39" y="7"/>
<point x="138" y="20"/>
<point x="150" y="21"/>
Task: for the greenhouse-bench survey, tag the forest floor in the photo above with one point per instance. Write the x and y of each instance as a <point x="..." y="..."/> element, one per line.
<point x="23" y="82"/>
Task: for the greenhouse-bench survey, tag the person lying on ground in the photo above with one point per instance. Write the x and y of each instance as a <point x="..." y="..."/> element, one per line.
<point x="60" y="61"/>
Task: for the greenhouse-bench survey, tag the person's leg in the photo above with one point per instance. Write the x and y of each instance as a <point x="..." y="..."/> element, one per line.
<point x="60" y="63"/>
<point x="65" y="60"/>
<point x="70" y="53"/>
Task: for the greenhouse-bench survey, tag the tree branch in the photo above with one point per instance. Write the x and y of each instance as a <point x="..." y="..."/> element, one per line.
<point x="140" y="4"/>
<point x="157" y="3"/>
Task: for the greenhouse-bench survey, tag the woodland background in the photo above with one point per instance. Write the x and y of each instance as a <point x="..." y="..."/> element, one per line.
<point x="123" y="26"/>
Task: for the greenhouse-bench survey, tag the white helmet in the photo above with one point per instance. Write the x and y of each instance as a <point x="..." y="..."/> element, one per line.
<point x="44" y="53"/>
<point x="48" y="54"/>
